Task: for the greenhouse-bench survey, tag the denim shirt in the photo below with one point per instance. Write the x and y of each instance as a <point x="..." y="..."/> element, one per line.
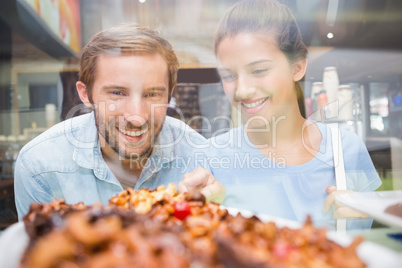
<point x="66" y="162"/>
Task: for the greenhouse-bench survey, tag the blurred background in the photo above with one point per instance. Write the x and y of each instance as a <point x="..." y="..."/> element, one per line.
<point x="355" y="58"/>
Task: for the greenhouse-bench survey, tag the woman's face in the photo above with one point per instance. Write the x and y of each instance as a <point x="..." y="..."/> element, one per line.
<point x="258" y="78"/>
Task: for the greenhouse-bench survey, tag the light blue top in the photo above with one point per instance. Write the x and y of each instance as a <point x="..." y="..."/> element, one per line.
<point x="66" y="162"/>
<point x="257" y="183"/>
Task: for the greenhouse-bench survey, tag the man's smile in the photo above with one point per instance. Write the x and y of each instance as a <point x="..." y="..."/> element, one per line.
<point x="133" y="133"/>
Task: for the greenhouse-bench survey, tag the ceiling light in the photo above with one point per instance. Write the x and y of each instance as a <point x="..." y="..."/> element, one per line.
<point x="142" y="1"/>
<point x="330" y="35"/>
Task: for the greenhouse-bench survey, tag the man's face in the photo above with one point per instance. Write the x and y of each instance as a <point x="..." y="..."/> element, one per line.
<point x="130" y="96"/>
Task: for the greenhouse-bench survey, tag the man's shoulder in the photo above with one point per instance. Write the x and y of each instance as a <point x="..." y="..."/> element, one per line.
<point x="229" y="137"/>
<point x="178" y="125"/>
<point x="55" y="144"/>
<point x="178" y="129"/>
<point x="58" y="133"/>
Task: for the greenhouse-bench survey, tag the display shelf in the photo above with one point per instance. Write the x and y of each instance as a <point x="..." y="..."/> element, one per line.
<point x="23" y="19"/>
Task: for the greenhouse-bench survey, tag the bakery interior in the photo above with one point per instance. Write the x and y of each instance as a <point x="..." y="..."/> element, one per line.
<point x="41" y="41"/>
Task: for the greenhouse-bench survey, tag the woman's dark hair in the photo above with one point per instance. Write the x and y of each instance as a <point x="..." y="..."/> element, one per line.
<point x="267" y="17"/>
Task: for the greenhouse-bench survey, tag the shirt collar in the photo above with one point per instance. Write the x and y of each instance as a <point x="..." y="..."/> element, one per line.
<point x="163" y="150"/>
<point x="87" y="151"/>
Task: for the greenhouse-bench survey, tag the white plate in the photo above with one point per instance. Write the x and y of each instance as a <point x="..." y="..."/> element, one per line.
<point x="374" y="205"/>
<point x="14" y="240"/>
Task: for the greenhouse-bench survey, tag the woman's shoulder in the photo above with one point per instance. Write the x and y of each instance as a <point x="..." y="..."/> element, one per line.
<point x="353" y="146"/>
<point x="231" y="136"/>
<point x="346" y="133"/>
<point x="233" y="140"/>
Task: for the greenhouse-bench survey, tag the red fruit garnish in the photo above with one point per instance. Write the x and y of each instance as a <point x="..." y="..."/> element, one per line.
<point x="181" y="210"/>
<point x="281" y="250"/>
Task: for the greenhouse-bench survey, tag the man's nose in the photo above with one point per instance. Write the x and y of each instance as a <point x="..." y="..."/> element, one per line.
<point x="244" y="89"/>
<point x="136" y="111"/>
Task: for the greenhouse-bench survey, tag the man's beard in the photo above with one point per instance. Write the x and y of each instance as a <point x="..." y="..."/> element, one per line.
<point x="110" y="134"/>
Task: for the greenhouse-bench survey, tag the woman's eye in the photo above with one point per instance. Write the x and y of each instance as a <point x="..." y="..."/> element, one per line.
<point x="258" y="71"/>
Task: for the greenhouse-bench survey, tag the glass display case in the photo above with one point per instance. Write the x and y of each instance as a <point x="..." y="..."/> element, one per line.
<point x="39" y="54"/>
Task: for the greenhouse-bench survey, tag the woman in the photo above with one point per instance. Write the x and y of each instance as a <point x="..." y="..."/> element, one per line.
<point x="277" y="162"/>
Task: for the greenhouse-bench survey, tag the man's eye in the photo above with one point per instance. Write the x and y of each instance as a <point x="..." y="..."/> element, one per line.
<point x="152" y="94"/>
<point x="118" y="93"/>
<point x="228" y="77"/>
<point x="258" y="71"/>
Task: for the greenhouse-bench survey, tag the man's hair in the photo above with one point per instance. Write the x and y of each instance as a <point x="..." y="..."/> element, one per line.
<point x="125" y="39"/>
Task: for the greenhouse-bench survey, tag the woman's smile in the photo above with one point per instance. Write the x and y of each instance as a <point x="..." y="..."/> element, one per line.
<point x="253" y="106"/>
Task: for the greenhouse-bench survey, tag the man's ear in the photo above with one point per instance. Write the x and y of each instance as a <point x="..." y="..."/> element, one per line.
<point x="83" y="93"/>
<point x="171" y="93"/>
<point x="299" y="69"/>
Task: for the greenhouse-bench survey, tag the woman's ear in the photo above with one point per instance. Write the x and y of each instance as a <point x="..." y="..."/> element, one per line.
<point x="83" y="93"/>
<point x="299" y="69"/>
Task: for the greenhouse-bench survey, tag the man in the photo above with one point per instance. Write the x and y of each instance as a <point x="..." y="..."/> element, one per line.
<point x="127" y="75"/>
